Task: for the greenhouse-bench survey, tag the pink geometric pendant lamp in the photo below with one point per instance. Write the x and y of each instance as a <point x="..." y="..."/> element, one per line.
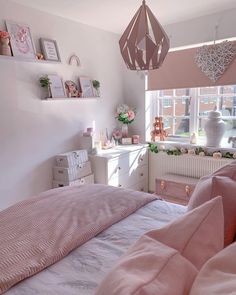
<point x="144" y="44"/>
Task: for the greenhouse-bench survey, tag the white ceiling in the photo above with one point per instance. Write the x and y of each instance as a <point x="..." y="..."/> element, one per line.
<point x="114" y="15"/>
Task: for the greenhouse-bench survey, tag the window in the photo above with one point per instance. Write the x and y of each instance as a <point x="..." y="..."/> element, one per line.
<point x="185" y="111"/>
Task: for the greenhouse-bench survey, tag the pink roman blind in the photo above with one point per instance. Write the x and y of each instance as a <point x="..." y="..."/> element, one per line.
<point x="180" y="71"/>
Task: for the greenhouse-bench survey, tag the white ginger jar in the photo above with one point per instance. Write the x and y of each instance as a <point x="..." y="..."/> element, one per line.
<point x="214" y="128"/>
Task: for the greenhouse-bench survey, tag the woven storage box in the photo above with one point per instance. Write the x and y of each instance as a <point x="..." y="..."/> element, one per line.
<point x="72" y="159"/>
<point x="84" y="180"/>
<point x="72" y="173"/>
<point x="176" y="189"/>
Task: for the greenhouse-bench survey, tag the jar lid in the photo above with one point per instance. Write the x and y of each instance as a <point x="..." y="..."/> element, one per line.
<point x="214" y="114"/>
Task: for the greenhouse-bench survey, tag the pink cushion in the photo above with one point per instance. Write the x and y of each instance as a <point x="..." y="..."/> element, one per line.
<point x="218" y="275"/>
<point x="228" y="170"/>
<point x="211" y="187"/>
<point x="202" y="190"/>
<point x="203" y="187"/>
<point x="166" y="261"/>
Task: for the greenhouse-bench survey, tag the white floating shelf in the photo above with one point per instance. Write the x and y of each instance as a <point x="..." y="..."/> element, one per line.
<point x="23" y="59"/>
<point x="72" y="98"/>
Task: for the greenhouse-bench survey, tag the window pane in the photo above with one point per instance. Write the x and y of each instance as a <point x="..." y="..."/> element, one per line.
<point x="201" y="124"/>
<point x="230" y="128"/>
<point x="207" y="104"/>
<point x="167" y="107"/>
<point x="182" y="107"/>
<point x="168" y="92"/>
<point x="179" y="114"/>
<point x="182" y="92"/>
<point x="228" y="89"/>
<point x="208" y="90"/>
<point x="227" y="105"/>
<point x="182" y="126"/>
<point x="168" y="125"/>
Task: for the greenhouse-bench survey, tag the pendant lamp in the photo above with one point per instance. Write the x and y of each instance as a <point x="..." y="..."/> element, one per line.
<point x="144" y="44"/>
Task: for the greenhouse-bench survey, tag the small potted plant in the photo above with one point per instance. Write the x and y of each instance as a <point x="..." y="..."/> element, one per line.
<point x="96" y="86"/>
<point x="45" y="83"/>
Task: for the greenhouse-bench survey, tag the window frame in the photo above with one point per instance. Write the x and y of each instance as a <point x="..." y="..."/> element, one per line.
<point x="195" y="96"/>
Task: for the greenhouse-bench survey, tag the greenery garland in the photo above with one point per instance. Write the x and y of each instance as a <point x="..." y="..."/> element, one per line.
<point x="199" y="151"/>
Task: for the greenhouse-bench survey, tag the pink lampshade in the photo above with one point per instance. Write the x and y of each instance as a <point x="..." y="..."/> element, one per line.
<point x="144" y="44"/>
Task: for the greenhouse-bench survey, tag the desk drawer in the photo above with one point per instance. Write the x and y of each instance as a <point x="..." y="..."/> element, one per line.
<point x="130" y="178"/>
<point x="141" y="186"/>
<point x="127" y="163"/>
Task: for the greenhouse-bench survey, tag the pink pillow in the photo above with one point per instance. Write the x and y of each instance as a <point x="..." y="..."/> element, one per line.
<point x="215" y="186"/>
<point x="218" y="275"/>
<point x="203" y="188"/>
<point x="228" y="170"/>
<point x="166" y="261"/>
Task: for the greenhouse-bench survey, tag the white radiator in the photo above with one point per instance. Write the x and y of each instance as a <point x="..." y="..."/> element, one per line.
<point x="190" y="166"/>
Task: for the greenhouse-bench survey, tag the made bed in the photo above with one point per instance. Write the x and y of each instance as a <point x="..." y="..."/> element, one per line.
<point x="102" y="240"/>
<point x="82" y="270"/>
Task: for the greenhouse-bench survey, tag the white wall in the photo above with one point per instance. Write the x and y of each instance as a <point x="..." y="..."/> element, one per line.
<point x="202" y="29"/>
<point x="195" y="31"/>
<point x="32" y="131"/>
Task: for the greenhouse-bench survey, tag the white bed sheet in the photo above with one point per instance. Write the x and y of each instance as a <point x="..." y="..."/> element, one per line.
<point x="83" y="269"/>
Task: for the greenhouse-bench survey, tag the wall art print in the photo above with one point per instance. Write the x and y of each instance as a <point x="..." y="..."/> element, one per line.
<point x="213" y="60"/>
<point x="86" y="87"/>
<point x="21" y="40"/>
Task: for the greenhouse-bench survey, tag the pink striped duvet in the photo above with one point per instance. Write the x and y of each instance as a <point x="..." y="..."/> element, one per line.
<point x="40" y="231"/>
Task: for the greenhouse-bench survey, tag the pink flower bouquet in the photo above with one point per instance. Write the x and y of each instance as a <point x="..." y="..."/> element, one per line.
<point x="125" y="114"/>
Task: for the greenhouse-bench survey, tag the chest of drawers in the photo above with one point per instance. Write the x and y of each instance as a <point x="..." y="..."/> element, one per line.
<point x="123" y="166"/>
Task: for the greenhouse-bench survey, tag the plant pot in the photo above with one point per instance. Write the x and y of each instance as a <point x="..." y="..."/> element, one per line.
<point x="97" y="92"/>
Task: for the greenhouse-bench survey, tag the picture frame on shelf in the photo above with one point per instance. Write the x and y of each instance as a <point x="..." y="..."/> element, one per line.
<point x="21" y="41"/>
<point x="57" y="86"/>
<point x="86" y="87"/>
<point x="71" y="89"/>
<point x="50" y="49"/>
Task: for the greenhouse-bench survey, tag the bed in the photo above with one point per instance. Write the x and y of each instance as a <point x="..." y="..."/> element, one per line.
<point x="82" y="270"/>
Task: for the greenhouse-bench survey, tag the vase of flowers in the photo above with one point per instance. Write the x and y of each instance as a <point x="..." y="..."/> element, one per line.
<point x="125" y="115"/>
<point x="5" y="47"/>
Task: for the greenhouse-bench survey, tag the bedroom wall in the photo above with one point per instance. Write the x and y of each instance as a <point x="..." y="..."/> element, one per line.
<point x="32" y="131"/>
<point x="187" y="33"/>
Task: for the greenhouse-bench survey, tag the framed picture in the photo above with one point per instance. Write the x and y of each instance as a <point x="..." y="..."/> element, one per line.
<point x="71" y="89"/>
<point x="86" y="87"/>
<point x="21" y="40"/>
<point x="56" y="86"/>
<point x="50" y="49"/>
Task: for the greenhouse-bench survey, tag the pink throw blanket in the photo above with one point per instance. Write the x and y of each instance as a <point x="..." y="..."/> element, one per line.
<point x="40" y="231"/>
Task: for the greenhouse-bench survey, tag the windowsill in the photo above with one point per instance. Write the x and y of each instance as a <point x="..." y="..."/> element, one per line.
<point x="185" y="144"/>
